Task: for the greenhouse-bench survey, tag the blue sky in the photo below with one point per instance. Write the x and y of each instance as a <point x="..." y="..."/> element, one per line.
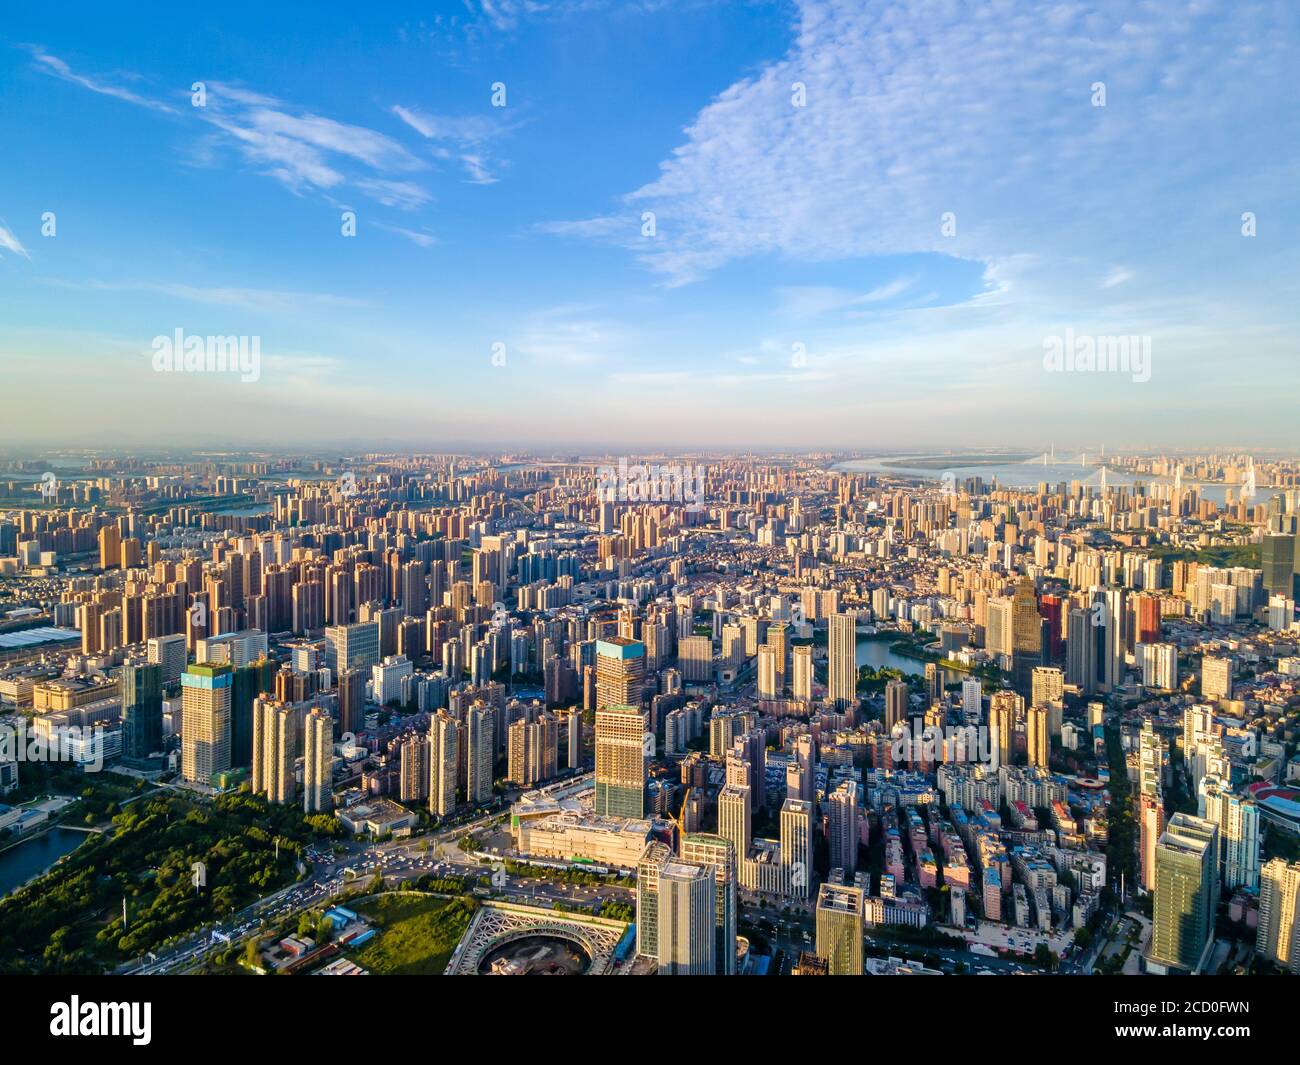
<point x="799" y="289"/>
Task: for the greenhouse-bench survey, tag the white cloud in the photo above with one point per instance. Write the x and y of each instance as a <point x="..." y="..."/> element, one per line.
<point x="915" y="108"/>
<point x="459" y="138"/>
<point x="302" y="150"/>
<point x="251" y="299"/>
<point x="403" y="194"/>
<point x="11" y="243"/>
<point x="56" y="67"/>
<point x="415" y="236"/>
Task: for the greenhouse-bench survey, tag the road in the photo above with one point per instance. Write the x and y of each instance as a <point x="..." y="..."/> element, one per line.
<point x="397" y="860"/>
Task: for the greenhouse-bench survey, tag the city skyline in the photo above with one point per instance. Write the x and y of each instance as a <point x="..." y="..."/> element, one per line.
<point x="803" y="287"/>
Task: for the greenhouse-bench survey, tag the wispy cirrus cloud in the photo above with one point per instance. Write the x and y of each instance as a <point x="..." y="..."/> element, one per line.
<point x="11" y="243"/>
<point x="56" y="67"/>
<point x="459" y="138"/>
<point x="251" y="299"/>
<point x="809" y="300"/>
<point x="302" y="150"/>
<point x="883" y="118"/>
<point x="568" y="335"/>
<point x="421" y="237"/>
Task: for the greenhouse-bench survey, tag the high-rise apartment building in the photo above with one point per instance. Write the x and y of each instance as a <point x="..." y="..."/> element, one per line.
<point x="1039" y="735"/>
<point x="1216" y="677"/>
<point x="444" y="748"/>
<point x="897" y="696"/>
<point x="318" y="762"/>
<point x="170" y="653"/>
<point x="1006" y="709"/>
<point x="276" y="736"/>
<point x="1151" y="826"/>
<point x="801" y="672"/>
<point x="843" y="827"/>
<point x="479" y="737"/>
<point x="1278" y="936"/>
<point x="1239" y="832"/>
<point x="842" y="674"/>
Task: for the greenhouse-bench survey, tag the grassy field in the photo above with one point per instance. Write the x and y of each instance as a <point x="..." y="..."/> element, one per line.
<point x="416" y="934"/>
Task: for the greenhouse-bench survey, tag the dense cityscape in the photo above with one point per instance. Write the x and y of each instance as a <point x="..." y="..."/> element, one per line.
<point x="706" y="714"/>
<point x="724" y="488"/>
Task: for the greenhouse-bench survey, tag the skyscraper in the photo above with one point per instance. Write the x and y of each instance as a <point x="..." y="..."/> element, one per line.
<point x="686" y="919"/>
<point x="1278" y="937"/>
<point x="276" y="733"/>
<point x="897" y="695"/>
<point x="480" y="753"/>
<point x="444" y="747"/>
<point x="1040" y="737"/>
<point x="734" y="822"/>
<point x="352" y="646"/>
<point x="843" y="824"/>
<point x="648" y="871"/>
<point x="1277" y="557"/>
<point x="352" y="701"/>
<point x="1081" y="651"/>
<point x="716" y="853"/>
<point x="797" y="846"/>
<point x="802" y="672"/>
<point x="620" y="672"/>
<point x="318" y="761"/>
<point x="1005" y="709"/>
<point x="205" y="722"/>
<point x="141" y="692"/>
<point x="1238" y="821"/>
<point x="245" y="687"/>
<point x="840" y="927"/>
<point x="168" y="652"/>
<point x="1216" y="677"/>
<point x="621" y="761"/>
<point x="1027" y="634"/>
<point x="843" y="668"/>
<point x="1151" y="826"/>
<point x="1187" y="893"/>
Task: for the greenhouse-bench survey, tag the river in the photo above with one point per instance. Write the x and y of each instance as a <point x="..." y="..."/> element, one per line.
<point x="1024" y="474"/>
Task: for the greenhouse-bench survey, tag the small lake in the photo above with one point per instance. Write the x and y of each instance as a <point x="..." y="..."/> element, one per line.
<point x="34" y="856"/>
<point x="876" y="654"/>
